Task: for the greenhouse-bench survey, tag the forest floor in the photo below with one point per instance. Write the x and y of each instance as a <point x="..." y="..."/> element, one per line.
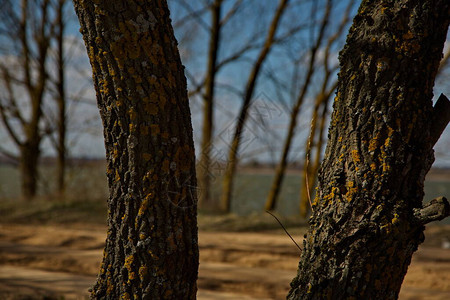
<point x="60" y="261"/>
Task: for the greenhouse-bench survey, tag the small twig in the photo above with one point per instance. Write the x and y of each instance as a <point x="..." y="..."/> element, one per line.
<point x="307" y="186"/>
<point x="307" y="164"/>
<point x="279" y="222"/>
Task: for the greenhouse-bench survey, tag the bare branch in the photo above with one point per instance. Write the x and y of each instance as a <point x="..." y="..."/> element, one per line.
<point x="192" y="14"/>
<point x="288" y="34"/>
<point x="196" y="14"/>
<point x="231" y="12"/>
<point x="230" y="88"/>
<point x="26" y="65"/>
<point x="9" y="155"/>
<point x="6" y="123"/>
<point x="236" y="55"/>
<point x="12" y="104"/>
<point x="441" y="118"/>
<point x="282" y="226"/>
<point x="436" y="210"/>
<point x="198" y="86"/>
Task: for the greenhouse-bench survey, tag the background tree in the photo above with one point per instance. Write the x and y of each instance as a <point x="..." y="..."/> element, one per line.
<point x="318" y="70"/>
<point x="27" y="30"/>
<point x="277" y="77"/>
<point x="243" y="114"/>
<point x="320" y="115"/>
<point x="35" y="109"/>
<point x="61" y="99"/>
<point x="224" y="33"/>
<point x="151" y="250"/>
<point x="204" y="169"/>
<point x="279" y="174"/>
<point x="368" y="216"/>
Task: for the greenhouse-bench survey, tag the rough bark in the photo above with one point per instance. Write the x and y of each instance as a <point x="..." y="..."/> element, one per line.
<point x="151" y="249"/>
<point x="204" y="167"/>
<point x="368" y="214"/>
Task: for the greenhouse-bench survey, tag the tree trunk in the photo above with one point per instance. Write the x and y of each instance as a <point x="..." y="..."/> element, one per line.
<point x="61" y="99"/>
<point x="205" y="172"/>
<point x="31" y="39"/>
<point x="151" y="249"/>
<point x="368" y="215"/>
<point x="28" y="165"/>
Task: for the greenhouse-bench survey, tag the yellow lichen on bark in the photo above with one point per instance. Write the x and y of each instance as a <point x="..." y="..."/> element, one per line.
<point x="154" y="129"/>
<point x="351" y="190"/>
<point x="387" y="142"/>
<point x="128" y="265"/>
<point x="143" y="271"/>
<point x="356" y="157"/>
<point x="144" y="205"/>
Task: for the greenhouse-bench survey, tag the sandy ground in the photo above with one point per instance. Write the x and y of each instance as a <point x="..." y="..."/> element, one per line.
<point x="41" y="261"/>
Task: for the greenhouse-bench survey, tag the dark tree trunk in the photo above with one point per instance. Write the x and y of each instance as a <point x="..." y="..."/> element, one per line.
<point x="61" y="147"/>
<point x="28" y="165"/>
<point x="205" y="172"/>
<point x="30" y="149"/>
<point x="368" y="217"/>
<point x="61" y="99"/>
<point x="151" y="250"/>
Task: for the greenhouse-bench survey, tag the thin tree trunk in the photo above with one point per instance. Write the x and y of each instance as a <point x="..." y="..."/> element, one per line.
<point x="61" y="100"/>
<point x="29" y="150"/>
<point x="29" y="155"/>
<point x="368" y="214"/>
<point x="151" y="249"/>
<point x="227" y="184"/>
<point x="31" y="39"/>
<point x="205" y="172"/>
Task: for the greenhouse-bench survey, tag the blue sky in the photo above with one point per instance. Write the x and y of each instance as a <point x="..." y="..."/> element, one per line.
<point x="248" y="26"/>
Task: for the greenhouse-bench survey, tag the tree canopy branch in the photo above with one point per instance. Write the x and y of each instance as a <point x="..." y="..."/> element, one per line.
<point x="9" y="128"/>
<point x="196" y="14"/>
<point x="12" y="104"/>
<point x="231" y="12"/>
<point x="11" y="156"/>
